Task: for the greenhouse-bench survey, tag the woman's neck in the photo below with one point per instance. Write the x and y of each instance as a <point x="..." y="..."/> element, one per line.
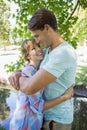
<point x="35" y="64"/>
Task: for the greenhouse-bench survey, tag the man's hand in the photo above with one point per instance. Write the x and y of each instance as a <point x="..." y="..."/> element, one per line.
<point x="14" y="79"/>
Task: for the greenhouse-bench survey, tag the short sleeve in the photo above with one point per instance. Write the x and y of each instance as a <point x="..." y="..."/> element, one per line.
<point x="57" y="63"/>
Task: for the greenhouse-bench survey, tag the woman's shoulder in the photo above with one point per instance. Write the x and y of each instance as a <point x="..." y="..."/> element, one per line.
<point x="29" y="70"/>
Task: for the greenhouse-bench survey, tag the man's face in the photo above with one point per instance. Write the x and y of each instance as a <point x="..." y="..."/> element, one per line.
<point x="42" y="37"/>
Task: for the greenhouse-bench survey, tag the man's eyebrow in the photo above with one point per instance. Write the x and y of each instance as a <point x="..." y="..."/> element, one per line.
<point x="36" y="35"/>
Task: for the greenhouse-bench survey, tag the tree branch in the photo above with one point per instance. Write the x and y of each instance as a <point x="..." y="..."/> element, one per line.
<point x="73" y="10"/>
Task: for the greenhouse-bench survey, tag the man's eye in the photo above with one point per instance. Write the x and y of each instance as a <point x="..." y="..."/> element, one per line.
<point x="36" y="36"/>
<point x="33" y="48"/>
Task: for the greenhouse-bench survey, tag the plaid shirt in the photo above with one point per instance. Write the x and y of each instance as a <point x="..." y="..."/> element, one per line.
<point x="28" y="113"/>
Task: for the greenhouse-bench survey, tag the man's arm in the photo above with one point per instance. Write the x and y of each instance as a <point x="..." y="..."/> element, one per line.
<point x="38" y="81"/>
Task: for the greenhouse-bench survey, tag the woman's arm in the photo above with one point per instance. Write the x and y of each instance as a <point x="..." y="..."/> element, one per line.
<point x="51" y="103"/>
<point x="14" y="79"/>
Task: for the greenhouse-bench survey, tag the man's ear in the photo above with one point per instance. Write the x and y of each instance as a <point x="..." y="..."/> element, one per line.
<point x="47" y="27"/>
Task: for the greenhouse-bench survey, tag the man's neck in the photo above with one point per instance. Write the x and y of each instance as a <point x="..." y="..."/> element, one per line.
<point x="57" y="40"/>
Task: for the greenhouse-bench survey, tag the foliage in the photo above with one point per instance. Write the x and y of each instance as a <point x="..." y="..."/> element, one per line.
<point x="12" y="67"/>
<point x="63" y="9"/>
<point x="81" y="77"/>
<point x="4" y="23"/>
<point x="81" y="26"/>
<point x="83" y="3"/>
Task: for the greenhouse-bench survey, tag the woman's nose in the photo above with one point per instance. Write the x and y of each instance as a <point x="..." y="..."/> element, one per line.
<point x="38" y="48"/>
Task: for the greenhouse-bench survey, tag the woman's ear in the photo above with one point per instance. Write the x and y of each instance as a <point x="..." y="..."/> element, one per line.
<point x="28" y="57"/>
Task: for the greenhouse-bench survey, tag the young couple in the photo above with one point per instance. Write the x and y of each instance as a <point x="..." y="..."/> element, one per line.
<point x="45" y="88"/>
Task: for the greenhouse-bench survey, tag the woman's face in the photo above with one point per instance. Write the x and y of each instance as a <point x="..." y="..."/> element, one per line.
<point x="35" y="52"/>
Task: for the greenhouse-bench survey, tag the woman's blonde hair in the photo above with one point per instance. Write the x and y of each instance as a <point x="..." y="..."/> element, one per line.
<point x="25" y="47"/>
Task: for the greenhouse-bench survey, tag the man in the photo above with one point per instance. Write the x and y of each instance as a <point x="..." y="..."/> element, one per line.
<point x="57" y="70"/>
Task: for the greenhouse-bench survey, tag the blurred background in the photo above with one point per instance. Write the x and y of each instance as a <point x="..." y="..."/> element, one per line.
<point x="72" y="24"/>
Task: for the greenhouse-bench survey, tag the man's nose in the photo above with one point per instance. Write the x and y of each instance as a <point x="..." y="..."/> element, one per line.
<point x="37" y="40"/>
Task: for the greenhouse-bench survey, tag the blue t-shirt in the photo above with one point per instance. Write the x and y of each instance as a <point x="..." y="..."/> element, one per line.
<point x="60" y="62"/>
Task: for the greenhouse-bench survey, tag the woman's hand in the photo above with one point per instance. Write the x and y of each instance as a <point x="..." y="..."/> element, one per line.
<point x="69" y="92"/>
<point x="14" y="79"/>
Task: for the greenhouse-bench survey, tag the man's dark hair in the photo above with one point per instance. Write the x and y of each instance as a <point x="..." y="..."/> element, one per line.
<point x="40" y="18"/>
